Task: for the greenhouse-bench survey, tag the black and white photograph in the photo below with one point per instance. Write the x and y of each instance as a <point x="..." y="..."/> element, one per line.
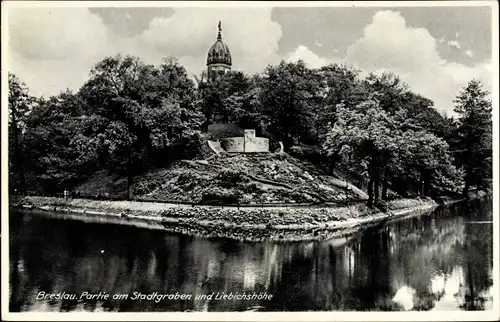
<point x="250" y="161"/>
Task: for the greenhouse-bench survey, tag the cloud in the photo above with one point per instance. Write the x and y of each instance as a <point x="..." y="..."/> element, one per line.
<point x="389" y="44"/>
<point x="310" y="58"/>
<point x="469" y="53"/>
<point x="51" y="49"/>
<point x="250" y="33"/>
<point x="319" y="44"/>
<point x="54" y="48"/>
<point x="55" y="34"/>
<point x="454" y="43"/>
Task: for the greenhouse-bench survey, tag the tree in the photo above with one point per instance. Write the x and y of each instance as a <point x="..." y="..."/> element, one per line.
<point x="428" y="164"/>
<point x="20" y="104"/>
<point x="227" y="98"/>
<point x="115" y="92"/>
<point x="390" y="152"/>
<point x="210" y="99"/>
<point x="473" y="142"/>
<point x="389" y="89"/>
<point x="420" y="114"/>
<point x="139" y="114"/>
<point x="173" y="118"/>
<point x="340" y="85"/>
<point x="50" y="128"/>
<point x="167" y="81"/>
<point x="291" y="98"/>
<point x="245" y="109"/>
<point x="364" y="136"/>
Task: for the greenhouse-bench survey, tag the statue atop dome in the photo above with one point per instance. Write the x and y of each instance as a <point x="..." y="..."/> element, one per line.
<point x="219" y="57"/>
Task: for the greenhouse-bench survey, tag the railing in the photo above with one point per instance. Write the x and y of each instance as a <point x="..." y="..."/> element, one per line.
<point x="217" y="204"/>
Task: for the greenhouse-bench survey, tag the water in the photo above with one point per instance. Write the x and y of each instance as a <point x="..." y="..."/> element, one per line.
<point x="441" y="261"/>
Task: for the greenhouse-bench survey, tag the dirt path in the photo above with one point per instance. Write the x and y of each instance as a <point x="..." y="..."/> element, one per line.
<point x="221" y="227"/>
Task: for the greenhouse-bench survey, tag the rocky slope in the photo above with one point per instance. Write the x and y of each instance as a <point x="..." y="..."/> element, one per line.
<point x="238" y="178"/>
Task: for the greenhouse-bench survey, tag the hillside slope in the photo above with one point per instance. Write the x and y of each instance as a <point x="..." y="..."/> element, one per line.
<point x="241" y="178"/>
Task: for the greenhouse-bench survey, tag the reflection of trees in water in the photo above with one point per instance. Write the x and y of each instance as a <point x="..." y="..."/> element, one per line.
<point x="360" y="273"/>
<point x="34" y="270"/>
<point x="66" y="256"/>
<point x="479" y="260"/>
<point x="452" y="251"/>
<point x="380" y="261"/>
<point x="17" y="271"/>
<point x="423" y="246"/>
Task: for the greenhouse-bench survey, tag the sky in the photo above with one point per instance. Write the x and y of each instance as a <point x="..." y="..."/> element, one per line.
<point x="436" y="50"/>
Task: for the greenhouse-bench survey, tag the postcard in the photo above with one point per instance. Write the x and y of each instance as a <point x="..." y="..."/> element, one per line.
<point x="260" y="161"/>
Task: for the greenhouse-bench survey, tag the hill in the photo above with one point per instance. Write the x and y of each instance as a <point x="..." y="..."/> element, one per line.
<point x="237" y="178"/>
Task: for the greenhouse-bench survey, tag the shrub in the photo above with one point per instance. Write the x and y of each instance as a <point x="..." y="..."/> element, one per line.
<point x="185" y="177"/>
<point x="232" y="176"/>
<point x="221" y="196"/>
<point x="251" y="188"/>
<point x="220" y="130"/>
<point x="143" y="188"/>
<point x="192" y="146"/>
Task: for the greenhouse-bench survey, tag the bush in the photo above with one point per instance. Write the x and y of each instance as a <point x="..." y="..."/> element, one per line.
<point x="185" y="177"/>
<point x="143" y="188"/>
<point x="192" y="147"/>
<point x="273" y="145"/>
<point x="219" y="131"/>
<point x="232" y="176"/>
<point x="251" y="188"/>
<point x="221" y="196"/>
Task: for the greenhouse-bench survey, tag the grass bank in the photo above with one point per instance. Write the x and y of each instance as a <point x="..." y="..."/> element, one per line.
<point x="250" y="224"/>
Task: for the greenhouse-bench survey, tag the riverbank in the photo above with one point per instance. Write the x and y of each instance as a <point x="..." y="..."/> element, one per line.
<point x="249" y="224"/>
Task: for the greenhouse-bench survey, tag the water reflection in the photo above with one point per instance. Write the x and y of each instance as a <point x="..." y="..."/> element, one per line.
<point x="441" y="261"/>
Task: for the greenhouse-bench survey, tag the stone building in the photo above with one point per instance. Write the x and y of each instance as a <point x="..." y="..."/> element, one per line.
<point x="248" y="143"/>
<point x="219" y="58"/>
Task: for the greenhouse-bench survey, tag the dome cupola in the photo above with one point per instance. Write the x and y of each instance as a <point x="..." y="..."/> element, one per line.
<point x="219" y="57"/>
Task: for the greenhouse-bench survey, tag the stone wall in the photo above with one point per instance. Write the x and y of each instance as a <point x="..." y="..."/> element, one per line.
<point x="255" y="144"/>
<point x="234" y="144"/>
<point x="248" y="143"/>
<point x="261" y="145"/>
<point x="238" y="144"/>
<point x="215" y="146"/>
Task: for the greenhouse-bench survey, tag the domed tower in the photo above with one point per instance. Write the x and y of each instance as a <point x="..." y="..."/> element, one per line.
<point x="219" y="58"/>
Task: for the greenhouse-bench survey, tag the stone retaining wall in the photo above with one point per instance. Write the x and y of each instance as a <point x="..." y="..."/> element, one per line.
<point x="250" y="145"/>
<point x="215" y="146"/>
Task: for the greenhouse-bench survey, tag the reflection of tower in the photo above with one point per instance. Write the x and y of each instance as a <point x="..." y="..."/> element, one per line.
<point x="218" y="58"/>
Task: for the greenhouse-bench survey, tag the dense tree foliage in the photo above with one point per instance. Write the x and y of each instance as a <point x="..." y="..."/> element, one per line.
<point x="130" y="117"/>
<point x="291" y="97"/>
<point x="52" y="160"/>
<point x="473" y="137"/>
<point x="20" y="105"/>
<point x="366" y="136"/>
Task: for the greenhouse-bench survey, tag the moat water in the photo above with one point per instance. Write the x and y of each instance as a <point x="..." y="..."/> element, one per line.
<point x="440" y="261"/>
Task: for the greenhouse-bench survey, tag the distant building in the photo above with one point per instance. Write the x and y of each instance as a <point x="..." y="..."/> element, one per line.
<point x="219" y="58"/>
<point x="248" y="143"/>
<point x="218" y="64"/>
